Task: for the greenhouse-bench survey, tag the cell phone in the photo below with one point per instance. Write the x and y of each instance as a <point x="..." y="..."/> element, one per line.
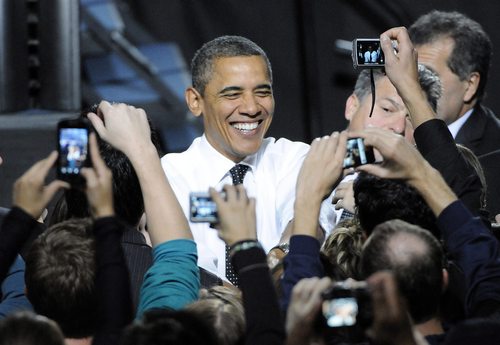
<point x="367" y="53"/>
<point x="202" y="209"/>
<point x="73" y="148"/>
<point x="357" y="153"/>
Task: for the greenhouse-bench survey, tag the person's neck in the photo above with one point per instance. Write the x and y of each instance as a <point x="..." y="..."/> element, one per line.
<point x="78" y="341"/>
<point x="431" y="327"/>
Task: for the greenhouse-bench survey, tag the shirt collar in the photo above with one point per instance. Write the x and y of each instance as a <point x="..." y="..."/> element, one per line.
<point x="455" y="126"/>
<point x="219" y="165"/>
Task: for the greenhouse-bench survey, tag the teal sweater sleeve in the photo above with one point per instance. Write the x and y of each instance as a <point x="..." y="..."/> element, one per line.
<point x="173" y="280"/>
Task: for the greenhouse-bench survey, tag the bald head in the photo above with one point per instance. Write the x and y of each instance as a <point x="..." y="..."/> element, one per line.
<point x="415" y="257"/>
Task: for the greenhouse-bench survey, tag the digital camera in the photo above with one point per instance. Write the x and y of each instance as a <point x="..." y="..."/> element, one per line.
<point x="367" y="53"/>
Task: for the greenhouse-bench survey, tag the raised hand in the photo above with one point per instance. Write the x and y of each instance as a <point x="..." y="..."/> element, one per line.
<point x="123" y="126"/>
<point x="236" y="214"/>
<point x="305" y="305"/>
<point x="99" y="183"/>
<point x="30" y="192"/>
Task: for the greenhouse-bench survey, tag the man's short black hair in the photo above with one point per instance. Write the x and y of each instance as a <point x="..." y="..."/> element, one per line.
<point x="472" y="49"/>
<point x="378" y="200"/>
<point x="222" y="47"/>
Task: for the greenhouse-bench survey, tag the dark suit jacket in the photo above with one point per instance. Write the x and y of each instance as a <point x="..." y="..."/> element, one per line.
<point x="491" y="166"/>
<point x="481" y="132"/>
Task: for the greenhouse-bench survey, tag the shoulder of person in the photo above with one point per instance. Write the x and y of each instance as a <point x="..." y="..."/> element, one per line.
<point x="284" y="146"/>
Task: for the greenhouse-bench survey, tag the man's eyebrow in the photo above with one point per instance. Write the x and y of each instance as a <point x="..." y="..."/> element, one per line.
<point x="263" y="86"/>
<point x="238" y="88"/>
<point x="230" y="89"/>
<point x="394" y="103"/>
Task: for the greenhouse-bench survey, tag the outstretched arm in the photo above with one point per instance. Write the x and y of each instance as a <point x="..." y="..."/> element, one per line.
<point x="320" y="172"/>
<point x="30" y="197"/>
<point x="173" y="280"/>
<point x="432" y="136"/>
<point x="237" y="228"/>
<point x="470" y="245"/>
<point x="127" y="129"/>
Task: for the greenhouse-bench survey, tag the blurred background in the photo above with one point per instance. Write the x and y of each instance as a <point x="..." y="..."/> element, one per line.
<point x="60" y="56"/>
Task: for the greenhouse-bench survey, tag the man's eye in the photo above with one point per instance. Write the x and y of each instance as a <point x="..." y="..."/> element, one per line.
<point x="231" y="95"/>
<point x="263" y="93"/>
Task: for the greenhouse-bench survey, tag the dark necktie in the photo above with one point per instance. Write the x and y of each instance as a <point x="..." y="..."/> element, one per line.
<point x="237" y="174"/>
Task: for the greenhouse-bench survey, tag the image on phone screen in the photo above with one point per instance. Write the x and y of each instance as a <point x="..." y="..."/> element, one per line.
<point x="73" y="150"/>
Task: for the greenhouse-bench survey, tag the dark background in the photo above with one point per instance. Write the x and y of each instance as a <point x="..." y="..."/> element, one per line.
<point x="312" y="78"/>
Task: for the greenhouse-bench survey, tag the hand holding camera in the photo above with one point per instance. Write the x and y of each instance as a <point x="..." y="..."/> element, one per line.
<point x="236" y="211"/>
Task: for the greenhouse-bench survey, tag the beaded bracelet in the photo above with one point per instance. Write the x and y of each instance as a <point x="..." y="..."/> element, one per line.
<point x="243" y="245"/>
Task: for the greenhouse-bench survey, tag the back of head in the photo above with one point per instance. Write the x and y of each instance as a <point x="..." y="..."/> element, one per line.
<point x="163" y="326"/>
<point x="223" y="309"/>
<point x="60" y="273"/>
<point x="378" y="200"/>
<point x="222" y="47"/>
<point x="429" y="82"/>
<point x="341" y="252"/>
<point x="472" y="50"/>
<point x="26" y="328"/>
<point x="416" y="259"/>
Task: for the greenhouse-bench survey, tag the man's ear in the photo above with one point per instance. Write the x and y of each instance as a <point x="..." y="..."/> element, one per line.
<point x="194" y="101"/>
<point x="472" y="86"/>
<point x="351" y="106"/>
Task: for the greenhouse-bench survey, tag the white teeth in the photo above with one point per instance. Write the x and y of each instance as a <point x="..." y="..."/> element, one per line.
<point x="246" y="126"/>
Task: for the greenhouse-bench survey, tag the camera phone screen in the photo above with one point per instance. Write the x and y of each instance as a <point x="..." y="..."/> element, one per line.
<point x="340" y="312"/>
<point x="73" y="147"/>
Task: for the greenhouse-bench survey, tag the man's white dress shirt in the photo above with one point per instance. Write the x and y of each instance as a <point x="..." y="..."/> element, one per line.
<point x="271" y="180"/>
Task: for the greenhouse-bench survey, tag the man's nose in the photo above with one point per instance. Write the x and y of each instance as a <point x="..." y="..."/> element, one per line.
<point x="396" y="123"/>
<point x="249" y="106"/>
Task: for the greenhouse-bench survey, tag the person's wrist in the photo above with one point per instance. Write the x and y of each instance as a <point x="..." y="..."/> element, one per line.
<point x="243" y="245"/>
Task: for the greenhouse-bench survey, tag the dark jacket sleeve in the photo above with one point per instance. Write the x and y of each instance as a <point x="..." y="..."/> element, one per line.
<point x="112" y="282"/>
<point x="476" y="252"/>
<point x="436" y="144"/>
<point x="13" y="297"/>
<point x="264" y="323"/>
<point x="302" y="261"/>
<point x="14" y="233"/>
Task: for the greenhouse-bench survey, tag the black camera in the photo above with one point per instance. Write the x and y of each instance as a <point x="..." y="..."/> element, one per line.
<point x="73" y="148"/>
<point x="202" y="209"/>
<point x="367" y="53"/>
<point x="346" y="310"/>
<point x="357" y="153"/>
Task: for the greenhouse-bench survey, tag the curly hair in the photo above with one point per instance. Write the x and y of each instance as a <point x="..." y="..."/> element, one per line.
<point x="378" y="200"/>
<point x="341" y="251"/>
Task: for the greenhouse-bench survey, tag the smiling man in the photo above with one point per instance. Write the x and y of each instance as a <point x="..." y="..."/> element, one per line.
<point x="232" y="91"/>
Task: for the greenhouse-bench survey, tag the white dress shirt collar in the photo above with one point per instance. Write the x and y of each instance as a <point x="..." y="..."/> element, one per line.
<point x="455" y="126"/>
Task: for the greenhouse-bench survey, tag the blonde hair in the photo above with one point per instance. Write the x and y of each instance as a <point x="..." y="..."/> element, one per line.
<point x="342" y="252"/>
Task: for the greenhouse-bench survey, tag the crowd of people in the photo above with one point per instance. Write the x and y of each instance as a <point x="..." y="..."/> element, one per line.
<point x="304" y="251"/>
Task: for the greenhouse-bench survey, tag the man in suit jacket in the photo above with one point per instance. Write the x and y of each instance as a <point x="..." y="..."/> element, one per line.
<point x="459" y="51"/>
